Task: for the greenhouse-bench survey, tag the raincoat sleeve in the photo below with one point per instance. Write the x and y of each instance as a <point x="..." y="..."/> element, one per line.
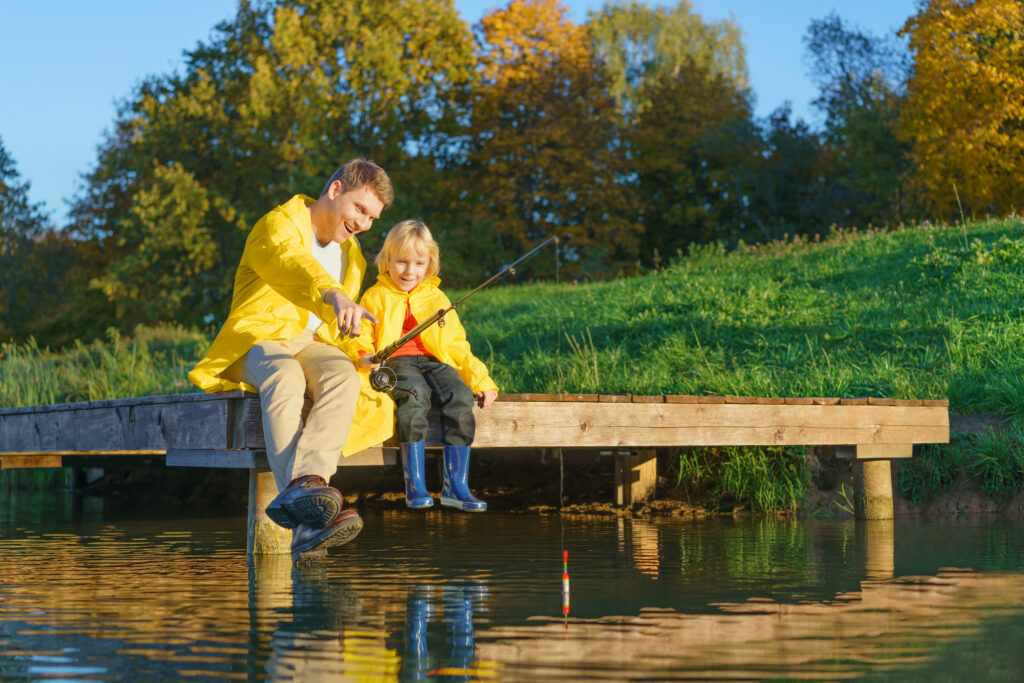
<point x="470" y="368"/>
<point x="276" y="253"/>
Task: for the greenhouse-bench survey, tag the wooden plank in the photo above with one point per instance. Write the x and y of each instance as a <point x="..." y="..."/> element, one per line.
<point x="680" y="399"/>
<point x="208" y="457"/>
<point x="770" y="401"/>
<point x="858" y="401"/>
<point x="82" y="453"/>
<point x="123" y="402"/>
<point x="679" y="424"/>
<point x="615" y="398"/>
<point x="20" y="462"/>
<point x="798" y="401"/>
<point x="157" y="423"/>
<point x="935" y="403"/>
<point x="711" y="400"/>
<point x="740" y="399"/>
<point x="875" y="401"/>
<point x="884" y="451"/>
<point x="649" y="399"/>
<point x="825" y="401"/>
<point x="371" y="457"/>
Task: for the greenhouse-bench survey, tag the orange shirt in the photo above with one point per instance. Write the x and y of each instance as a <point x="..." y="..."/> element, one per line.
<point x="413" y="347"/>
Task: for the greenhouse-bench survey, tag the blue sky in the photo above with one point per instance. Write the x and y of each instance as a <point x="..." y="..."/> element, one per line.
<point x="65" y="64"/>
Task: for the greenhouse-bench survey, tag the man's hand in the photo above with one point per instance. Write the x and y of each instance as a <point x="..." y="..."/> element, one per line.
<point x="486" y="398"/>
<point x="350" y="314"/>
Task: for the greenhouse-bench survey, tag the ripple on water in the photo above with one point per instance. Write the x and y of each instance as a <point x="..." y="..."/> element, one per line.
<point x="442" y="594"/>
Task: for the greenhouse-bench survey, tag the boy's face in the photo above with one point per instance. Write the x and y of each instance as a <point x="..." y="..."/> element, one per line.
<point x="408" y="269"/>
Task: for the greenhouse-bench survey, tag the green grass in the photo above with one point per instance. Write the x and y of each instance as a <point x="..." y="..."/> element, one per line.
<point x="154" y="360"/>
<point x="921" y="311"/>
<point x="910" y="313"/>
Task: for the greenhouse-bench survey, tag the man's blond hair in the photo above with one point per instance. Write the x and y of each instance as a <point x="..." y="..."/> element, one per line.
<point x="359" y="173"/>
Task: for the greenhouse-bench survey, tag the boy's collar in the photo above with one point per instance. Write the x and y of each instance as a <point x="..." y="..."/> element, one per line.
<point x="384" y="279"/>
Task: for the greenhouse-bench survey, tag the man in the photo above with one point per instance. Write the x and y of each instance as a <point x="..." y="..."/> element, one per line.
<point x="294" y="299"/>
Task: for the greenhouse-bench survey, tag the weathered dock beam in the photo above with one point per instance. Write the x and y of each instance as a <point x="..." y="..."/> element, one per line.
<point x="225" y="430"/>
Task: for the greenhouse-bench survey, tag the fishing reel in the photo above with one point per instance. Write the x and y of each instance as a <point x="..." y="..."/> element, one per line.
<point x="384" y="379"/>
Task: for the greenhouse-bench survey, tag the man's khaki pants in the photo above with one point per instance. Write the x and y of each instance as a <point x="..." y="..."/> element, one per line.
<point x="285" y="372"/>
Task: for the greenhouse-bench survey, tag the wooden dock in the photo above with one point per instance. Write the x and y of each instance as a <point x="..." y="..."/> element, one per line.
<point x="225" y="430"/>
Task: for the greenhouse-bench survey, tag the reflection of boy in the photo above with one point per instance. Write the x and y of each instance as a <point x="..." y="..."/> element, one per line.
<point x="438" y="362"/>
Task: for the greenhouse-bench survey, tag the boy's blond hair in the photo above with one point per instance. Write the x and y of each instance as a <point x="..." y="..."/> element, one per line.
<point x="407" y="236"/>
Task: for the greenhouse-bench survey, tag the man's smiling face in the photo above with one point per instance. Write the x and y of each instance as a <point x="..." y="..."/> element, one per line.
<point x="349" y="213"/>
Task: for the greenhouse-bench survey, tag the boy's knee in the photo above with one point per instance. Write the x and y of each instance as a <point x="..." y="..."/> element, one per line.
<point x="461" y="396"/>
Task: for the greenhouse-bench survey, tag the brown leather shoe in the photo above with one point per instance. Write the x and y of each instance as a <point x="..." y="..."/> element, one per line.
<point x="308" y="501"/>
<point x="309" y="543"/>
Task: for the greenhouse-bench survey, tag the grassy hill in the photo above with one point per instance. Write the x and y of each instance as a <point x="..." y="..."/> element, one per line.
<point x="922" y="311"/>
<point x="919" y="312"/>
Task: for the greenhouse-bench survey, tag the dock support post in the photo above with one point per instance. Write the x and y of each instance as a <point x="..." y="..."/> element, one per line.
<point x="873" y="478"/>
<point x="264" y="537"/>
<point x="636" y="475"/>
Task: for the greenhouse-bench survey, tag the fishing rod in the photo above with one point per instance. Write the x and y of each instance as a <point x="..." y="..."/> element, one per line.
<point x="383" y="378"/>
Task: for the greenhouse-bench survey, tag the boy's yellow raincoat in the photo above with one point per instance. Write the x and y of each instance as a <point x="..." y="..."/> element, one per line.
<point x="277" y="284"/>
<point x="447" y="343"/>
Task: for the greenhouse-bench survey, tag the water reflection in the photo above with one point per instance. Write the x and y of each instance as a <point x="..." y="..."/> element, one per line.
<point x="91" y="592"/>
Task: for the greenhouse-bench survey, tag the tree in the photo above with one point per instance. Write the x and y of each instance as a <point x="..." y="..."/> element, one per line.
<point x="679" y="168"/>
<point x="640" y="44"/>
<point x="544" y="155"/>
<point x="964" y="113"/>
<point x="861" y="81"/>
<point x="22" y="226"/>
<point x="282" y="94"/>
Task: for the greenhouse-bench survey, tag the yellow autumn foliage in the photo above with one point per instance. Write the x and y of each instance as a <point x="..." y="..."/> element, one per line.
<point x="964" y="113"/>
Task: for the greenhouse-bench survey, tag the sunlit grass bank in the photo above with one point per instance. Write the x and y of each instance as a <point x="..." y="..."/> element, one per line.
<point x="154" y="360"/>
<point x="922" y="311"/>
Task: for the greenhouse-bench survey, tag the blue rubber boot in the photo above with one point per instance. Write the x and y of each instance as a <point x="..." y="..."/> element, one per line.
<point x="455" y="493"/>
<point x="416" y="494"/>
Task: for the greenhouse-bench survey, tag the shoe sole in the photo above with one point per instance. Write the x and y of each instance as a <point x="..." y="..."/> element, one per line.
<point x="314" y="510"/>
<point x="341" y="535"/>
<point x="459" y="505"/>
<point x="279" y="516"/>
<point x="419" y="505"/>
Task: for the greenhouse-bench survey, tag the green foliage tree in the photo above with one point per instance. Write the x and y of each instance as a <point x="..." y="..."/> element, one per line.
<point x="270" y="106"/>
<point x="679" y="167"/>
<point x="23" y="229"/>
<point x="640" y="44"/>
<point x="861" y="79"/>
<point x="544" y="155"/>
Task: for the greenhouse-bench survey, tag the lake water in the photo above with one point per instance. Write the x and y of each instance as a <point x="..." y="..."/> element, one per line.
<point x="92" y="590"/>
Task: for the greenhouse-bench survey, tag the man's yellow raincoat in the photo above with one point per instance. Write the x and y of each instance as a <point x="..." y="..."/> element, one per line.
<point x="277" y="284"/>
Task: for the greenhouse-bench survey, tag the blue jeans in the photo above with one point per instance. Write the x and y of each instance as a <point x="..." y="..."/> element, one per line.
<point x="432" y="378"/>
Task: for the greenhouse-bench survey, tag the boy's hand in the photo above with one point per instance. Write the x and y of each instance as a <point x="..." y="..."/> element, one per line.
<point x="486" y="398"/>
<point x="365" y="364"/>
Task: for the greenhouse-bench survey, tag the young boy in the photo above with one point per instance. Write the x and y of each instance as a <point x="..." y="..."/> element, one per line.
<point x="438" y="362"/>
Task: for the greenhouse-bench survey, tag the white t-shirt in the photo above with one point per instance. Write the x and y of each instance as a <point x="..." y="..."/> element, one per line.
<point x="332" y="258"/>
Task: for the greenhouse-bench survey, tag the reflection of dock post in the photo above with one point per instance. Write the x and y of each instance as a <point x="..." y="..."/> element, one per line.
<point x="880" y="560"/>
<point x="270" y="591"/>
<point x="873" y="478"/>
<point x="264" y="537"/>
